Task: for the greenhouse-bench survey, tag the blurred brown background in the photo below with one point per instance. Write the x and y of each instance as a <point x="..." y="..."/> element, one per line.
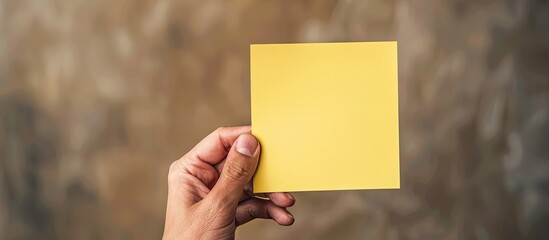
<point x="97" y="98"/>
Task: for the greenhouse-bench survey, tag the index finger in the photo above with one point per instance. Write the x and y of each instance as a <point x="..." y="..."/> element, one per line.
<point x="215" y="147"/>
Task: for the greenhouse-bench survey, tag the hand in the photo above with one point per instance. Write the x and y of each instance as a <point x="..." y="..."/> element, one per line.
<point x="209" y="189"/>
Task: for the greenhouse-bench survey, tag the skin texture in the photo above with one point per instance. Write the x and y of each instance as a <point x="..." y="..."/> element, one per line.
<point x="209" y="189"/>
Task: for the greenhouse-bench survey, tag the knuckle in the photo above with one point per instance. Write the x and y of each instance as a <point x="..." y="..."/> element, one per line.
<point x="252" y="211"/>
<point x="237" y="172"/>
<point x="220" y="129"/>
<point x="175" y="174"/>
<point x="173" y="167"/>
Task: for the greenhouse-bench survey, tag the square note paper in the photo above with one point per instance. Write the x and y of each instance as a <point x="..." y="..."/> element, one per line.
<point x="326" y="115"/>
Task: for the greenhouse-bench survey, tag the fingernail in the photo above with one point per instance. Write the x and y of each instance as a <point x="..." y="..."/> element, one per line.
<point x="290" y="196"/>
<point x="246" y="144"/>
<point x="290" y="216"/>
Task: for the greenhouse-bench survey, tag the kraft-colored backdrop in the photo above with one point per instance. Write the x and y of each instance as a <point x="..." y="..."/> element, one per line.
<point x="97" y="98"/>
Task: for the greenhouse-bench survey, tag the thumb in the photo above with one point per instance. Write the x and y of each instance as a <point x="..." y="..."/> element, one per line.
<point x="237" y="171"/>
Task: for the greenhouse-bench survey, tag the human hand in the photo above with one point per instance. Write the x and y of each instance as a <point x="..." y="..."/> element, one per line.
<point x="209" y="189"/>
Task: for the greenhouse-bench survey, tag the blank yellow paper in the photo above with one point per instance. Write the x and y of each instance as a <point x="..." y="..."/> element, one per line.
<point x="326" y="115"/>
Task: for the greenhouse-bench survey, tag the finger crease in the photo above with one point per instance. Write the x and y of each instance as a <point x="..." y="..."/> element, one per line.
<point x="225" y="144"/>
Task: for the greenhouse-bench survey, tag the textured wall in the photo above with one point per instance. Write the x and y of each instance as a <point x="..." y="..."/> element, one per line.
<point x="97" y="98"/>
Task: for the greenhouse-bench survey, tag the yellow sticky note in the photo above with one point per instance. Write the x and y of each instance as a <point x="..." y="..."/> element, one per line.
<point x="326" y="115"/>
